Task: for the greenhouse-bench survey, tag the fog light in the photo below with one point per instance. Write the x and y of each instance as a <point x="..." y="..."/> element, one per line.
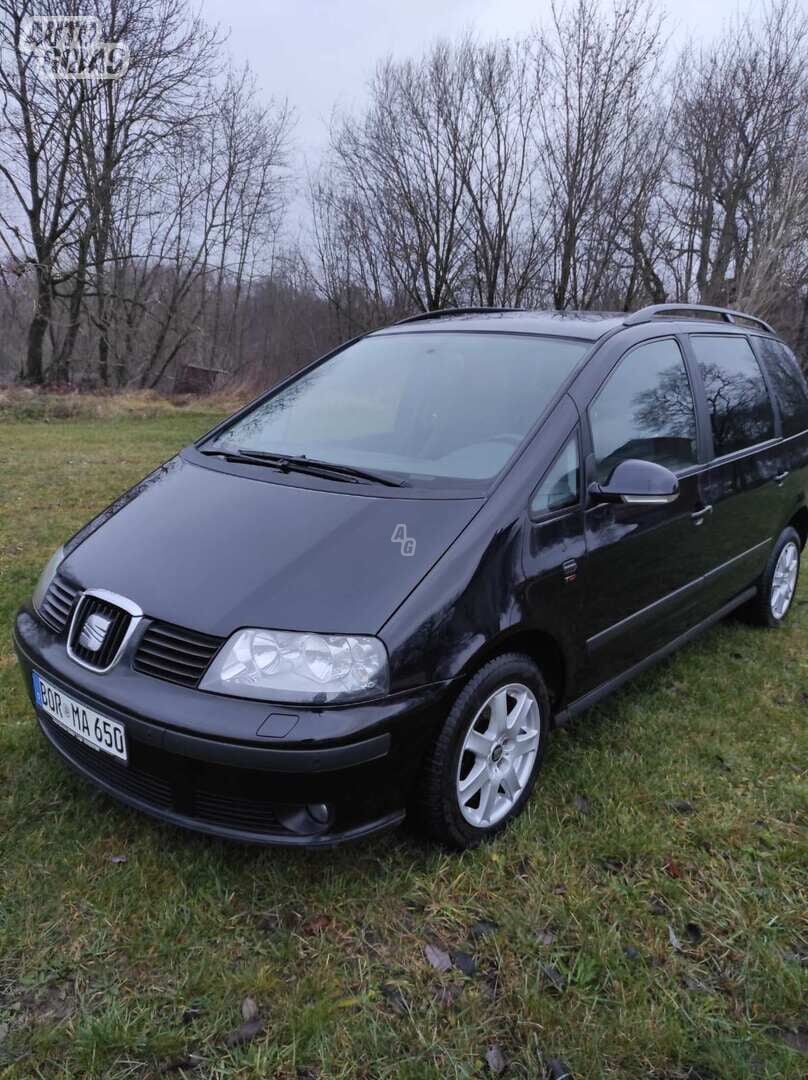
<point x="319" y="812"/>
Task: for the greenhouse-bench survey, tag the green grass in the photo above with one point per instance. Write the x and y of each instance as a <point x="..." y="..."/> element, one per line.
<point x="101" y="961"/>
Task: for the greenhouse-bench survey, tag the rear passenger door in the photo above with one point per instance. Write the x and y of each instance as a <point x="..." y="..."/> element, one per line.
<point x="644" y="563"/>
<point x="742" y="484"/>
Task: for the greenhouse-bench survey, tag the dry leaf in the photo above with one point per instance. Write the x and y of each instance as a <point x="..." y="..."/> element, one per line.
<point x="464" y="962"/>
<point x="246" y="1033"/>
<point x="495" y="1059"/>
<point x="554" y="977"/>
<point x="483" y="928"/>
<point x="437" y="958"/>
<point x="318" y="924"/>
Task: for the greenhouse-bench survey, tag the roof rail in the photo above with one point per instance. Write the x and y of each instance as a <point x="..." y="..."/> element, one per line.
<point x="646" y="314"/>
<point x="439" y="313"/>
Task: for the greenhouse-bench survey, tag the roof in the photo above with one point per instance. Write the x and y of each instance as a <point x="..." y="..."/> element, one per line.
<point x="588" y="325"/>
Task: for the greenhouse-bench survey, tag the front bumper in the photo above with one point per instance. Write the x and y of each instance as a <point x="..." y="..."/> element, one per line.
<point x="196" y="759"/>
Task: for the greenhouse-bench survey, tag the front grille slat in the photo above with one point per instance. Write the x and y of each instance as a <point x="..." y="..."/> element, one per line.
<point x="197" y="654"/>
<point x="189" y="637"/>
<point x="57" y="604"/>
<point x="170" y="666"/>
<point x="175" y="654"/>
<point x="183" y="651"/>
<point x="167" y="660"/>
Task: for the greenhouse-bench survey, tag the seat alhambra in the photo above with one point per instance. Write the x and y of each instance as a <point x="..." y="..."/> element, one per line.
<point x="376" y="589"/>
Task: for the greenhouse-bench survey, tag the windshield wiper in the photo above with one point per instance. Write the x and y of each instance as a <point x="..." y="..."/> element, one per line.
<point x="312" y="466"/>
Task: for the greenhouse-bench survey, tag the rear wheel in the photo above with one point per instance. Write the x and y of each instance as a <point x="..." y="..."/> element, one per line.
<point x="778" y="585"/>
<point x="483" y="765"/>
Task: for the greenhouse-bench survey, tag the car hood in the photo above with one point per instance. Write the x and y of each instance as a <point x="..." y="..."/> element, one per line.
<point x="214" y="551"/>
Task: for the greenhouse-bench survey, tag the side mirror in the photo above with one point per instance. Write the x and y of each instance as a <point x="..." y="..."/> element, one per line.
<point x="638" y="482"/>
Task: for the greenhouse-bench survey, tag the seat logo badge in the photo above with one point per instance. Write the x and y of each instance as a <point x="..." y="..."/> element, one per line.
<point x="400" y="537"/>
<point x="94" y="632"/>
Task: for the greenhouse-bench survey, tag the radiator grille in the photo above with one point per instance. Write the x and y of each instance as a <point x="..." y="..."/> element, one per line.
<point x="57" y="605"/>
<point x="218" y="795"/>
<point x="118" y="625"/>
<point x="140" y="778"/>
<point x="235" y="812"/>
<point x="175" y="654"/>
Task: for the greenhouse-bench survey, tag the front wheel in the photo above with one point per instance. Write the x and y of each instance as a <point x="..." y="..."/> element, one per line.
<point x="483" y="765"/>
<point x="778" y="585"/>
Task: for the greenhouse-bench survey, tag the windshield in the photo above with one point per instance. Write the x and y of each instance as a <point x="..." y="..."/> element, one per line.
<point x="422" y="407"/>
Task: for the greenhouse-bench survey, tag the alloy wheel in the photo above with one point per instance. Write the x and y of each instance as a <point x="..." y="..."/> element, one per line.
<point x="498" y="755"/>
<point x="784" y="580"/>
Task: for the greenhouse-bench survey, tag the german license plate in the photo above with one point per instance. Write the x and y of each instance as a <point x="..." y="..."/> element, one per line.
<point x="85" y="724"/>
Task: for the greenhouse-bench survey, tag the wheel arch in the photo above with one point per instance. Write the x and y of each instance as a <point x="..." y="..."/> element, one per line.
<point x="543" y="648"/>
<point x="800" y="522"/>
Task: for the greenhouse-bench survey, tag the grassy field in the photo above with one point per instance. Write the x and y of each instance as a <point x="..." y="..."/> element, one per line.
<point x="646" y="917"/>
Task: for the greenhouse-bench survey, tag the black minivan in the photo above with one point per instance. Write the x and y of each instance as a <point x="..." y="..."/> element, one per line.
<point x="376" y="589"/>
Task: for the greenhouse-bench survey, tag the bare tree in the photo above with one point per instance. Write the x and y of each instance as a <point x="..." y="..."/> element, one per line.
<point x="123" y="121"/>
<point x="217" y="195"/>
<point x="39" y="124"/>
<point x="740" y="156"/>
<point x="493" y="137"/>
<point x="141" y="218"/>
<point x="600" y="77"/>
<point x="408" y="170"/>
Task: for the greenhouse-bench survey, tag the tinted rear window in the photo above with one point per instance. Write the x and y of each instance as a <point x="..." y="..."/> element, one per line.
<point x="738" y="401"/>
<point x="789" y="385"/>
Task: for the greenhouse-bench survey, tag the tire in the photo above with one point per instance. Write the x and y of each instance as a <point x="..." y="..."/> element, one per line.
<point x="507" y="696"/>
<point x="778" y="585"/>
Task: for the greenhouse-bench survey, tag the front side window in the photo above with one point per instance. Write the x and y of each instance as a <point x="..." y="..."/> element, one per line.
<point x="560" y="487"/>
<point x="738" y="401"/>
<point x="428" y="407"/>
<point x="645" y="410"/>
<point x="789" y="385"/>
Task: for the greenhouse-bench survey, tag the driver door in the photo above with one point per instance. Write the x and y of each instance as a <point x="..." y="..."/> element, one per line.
<point x="644" y="563"/>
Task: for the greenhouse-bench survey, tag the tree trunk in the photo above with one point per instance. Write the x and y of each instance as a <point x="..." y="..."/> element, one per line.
<point x="38" y="328"/>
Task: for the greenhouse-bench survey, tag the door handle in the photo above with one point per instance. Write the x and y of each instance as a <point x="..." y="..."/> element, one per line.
<point x="698" y="516"/>
<point x="781" y="478"/>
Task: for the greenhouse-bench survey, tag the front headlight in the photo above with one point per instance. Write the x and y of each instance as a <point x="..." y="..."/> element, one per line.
<point x="47" y="576"/>
<point x="280" y="665"/>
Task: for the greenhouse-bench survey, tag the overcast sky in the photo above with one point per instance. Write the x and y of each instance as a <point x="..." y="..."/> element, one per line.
<point x="320" y="53"/>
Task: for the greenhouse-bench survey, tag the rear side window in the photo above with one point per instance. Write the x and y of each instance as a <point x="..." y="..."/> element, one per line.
<point x="789" y="385"/>
<point x="645" y="410"/>
<point x="560" y="487"/>
<point x="738" y="401"/>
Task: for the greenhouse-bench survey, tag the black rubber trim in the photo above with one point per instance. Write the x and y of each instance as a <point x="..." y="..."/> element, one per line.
<point x="594" y="696"/>
<point x="247" y="756"/>
<point x="638" y="618"/>
<point x="267" y="840"/>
